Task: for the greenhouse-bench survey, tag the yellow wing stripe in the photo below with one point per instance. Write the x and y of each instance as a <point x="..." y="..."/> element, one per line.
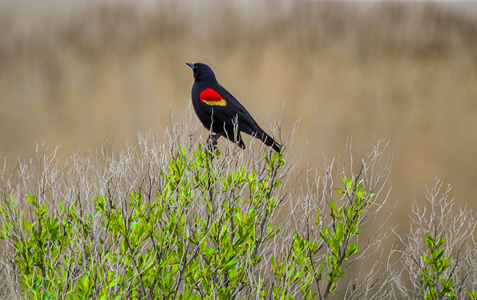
<point x="220" y="102"/>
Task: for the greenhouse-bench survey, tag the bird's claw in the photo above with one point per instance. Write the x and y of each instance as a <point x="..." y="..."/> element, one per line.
<point x="212" y="143"/>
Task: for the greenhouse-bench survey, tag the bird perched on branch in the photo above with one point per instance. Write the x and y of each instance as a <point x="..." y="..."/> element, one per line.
<point x="220" y="112"/>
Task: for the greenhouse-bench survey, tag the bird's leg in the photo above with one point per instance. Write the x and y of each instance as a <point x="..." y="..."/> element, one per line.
<point x="212" y="142"/>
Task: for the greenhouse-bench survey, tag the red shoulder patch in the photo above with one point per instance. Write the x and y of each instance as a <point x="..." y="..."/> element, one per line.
<point x="211" y="97"/>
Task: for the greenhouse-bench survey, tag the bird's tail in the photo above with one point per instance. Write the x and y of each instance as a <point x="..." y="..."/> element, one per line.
<point x="269" y="141"/>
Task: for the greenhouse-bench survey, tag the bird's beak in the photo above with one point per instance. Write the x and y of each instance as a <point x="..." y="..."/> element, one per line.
<point x="191" y="65"/>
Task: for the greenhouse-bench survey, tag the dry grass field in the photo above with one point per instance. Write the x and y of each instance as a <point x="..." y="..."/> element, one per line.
<point x="406" y="72"/>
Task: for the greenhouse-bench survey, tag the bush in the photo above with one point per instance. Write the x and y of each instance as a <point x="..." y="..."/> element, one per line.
<point x="440" y="254"/>
<point x="185" y="243"/>
<point x="162" y="220"/>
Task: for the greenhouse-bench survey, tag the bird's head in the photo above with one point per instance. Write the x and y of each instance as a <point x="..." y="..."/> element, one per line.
<point x="202" y="72"/>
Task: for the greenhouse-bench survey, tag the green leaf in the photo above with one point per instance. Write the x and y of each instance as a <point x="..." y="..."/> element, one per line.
<point x="231" y="264"/>
<point x="274" y="263"/>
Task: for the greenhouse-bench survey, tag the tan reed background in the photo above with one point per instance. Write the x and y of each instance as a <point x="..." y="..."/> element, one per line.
<point x="76" y="74"/>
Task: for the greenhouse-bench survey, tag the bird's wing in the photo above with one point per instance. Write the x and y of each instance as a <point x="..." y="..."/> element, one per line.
<point x="248" y="125"/>
<point x="236" y="109"/>
<point x="226" y="110"/>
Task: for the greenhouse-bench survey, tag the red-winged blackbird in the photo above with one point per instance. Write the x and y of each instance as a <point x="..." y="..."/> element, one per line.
<point x="220" y="112"/>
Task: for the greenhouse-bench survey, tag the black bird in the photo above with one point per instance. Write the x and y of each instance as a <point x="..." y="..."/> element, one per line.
<point x="220" y="112"/>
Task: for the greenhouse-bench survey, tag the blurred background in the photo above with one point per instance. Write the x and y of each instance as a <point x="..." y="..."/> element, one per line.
<point x="77" y="73"/>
